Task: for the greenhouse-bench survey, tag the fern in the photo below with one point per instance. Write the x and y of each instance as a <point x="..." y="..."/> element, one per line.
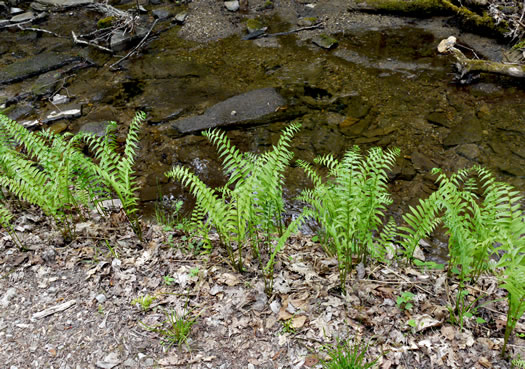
<point x="350" y="205"/>
<point x="116" y="171"/>
<point x="249" y="209"/>
<point x="51" y="171"/>
<point x="514" y="283"/>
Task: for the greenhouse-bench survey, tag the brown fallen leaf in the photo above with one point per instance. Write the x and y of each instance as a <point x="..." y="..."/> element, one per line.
<point x="298" y="321"/>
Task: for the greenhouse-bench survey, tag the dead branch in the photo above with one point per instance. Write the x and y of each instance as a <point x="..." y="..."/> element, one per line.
<point x="76" y="40"/>
<point x="466" y="65"/>
<point x="135" y="49"/>
<point x="34" y="29"/>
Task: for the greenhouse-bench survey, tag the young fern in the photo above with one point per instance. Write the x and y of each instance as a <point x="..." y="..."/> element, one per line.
<point x="249" y="209"/>
<point x="116" y="171"/>
<point x="350" y="205"/>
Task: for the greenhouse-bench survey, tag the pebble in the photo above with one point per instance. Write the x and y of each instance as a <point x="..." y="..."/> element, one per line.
<point x="232" y="6"/>
<point x="101" y="298"/>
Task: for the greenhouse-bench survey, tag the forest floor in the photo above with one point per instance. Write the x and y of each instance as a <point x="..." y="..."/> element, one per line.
<point x="70" y="305"/>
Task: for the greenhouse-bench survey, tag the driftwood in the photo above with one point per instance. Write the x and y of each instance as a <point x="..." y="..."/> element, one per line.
<point x="466" y="66"/>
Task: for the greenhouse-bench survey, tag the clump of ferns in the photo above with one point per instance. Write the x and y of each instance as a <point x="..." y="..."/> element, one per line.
<point x="115" y="171"/>
<point x="249" y="209"/>
<point x="349" y="206"/>
<point x="50" y="171"/>
<point x="485" y="222"/>
<point x="45" y="169"/>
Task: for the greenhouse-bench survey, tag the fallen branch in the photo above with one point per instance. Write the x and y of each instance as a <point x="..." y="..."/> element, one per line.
<point x="54" y="309"/>
<point x="466" y="65"/>
<point x="135" y="49"/>
<point x="34" y="29"/>
<point x="76" y="40"/>
<point x="258" y="34"/>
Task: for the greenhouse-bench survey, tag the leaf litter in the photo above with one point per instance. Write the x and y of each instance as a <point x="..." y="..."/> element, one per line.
<point x="69" y="305"/>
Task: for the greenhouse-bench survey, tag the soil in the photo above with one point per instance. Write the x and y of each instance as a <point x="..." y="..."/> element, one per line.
<point x="94" y="279"/>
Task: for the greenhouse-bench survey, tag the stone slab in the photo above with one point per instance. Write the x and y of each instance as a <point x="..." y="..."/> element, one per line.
<point x="252" y="107"/>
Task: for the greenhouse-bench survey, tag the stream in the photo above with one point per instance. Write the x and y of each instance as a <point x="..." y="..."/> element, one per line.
<point x="381" y="86"/>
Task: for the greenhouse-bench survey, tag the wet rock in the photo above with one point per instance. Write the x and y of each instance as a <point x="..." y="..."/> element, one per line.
<point x="120" y="40"/>
<point x="38" y="7"/>
<point x="421" y="162"/>
<point x="307" y="22"/>
<point x="35" y="65"/>
<point x="46" y="84"/>
<point x="252" y="107"/>
<point x="58" y="127"/>
<point x="66" y="112"/>
<point x="24" y="17"/>
<point x="161" y="14"/>
<point x="60" y="99"/>
<point x="469" y="151"/>
<point x="14" y="10"/>
<point x="97" y="128"/>
<point x="468" y="131"/>
<point x="181" y="17"/>
<point x="232" y="6"/>
<point x="65" y="3"/>
<point x="439" y="117"/>
<point x="20" y="111"/>
<point x="325" y="41"/>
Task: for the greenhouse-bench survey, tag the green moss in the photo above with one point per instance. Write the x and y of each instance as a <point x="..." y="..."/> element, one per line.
<point x="254" y="24"/>
<point x="414" y="7"/>
<point x="311" y="19"/>
<point x="105" y="22"/>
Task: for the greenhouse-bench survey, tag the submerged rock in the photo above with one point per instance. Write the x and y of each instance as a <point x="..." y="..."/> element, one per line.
<point x="468" y="131"/>
<point x="325" y="41"/>
<point x="35" y="65"/>
<point x="249" y="108"/>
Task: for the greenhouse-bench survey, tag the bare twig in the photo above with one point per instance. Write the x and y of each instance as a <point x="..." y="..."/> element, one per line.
<point x="76" y="40"/>
<point x="135" y="49"/>
<point x="34" y="29"/>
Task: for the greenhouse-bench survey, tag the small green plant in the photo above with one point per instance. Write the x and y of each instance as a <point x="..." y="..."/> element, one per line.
<point x="249" y="209"/>
<point x="412" y="323"/>
<point x="349" y="206"/>
<point x="404" y="302"/>
<point x="194" y="272"/>
<point x="518" y="363"/>
<point x="288" y="326"/>
<point x="175" y="329"/>
<point x="347" y="355"/>
<point x="168" y="280"/>
<point x="144" y="302"/>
